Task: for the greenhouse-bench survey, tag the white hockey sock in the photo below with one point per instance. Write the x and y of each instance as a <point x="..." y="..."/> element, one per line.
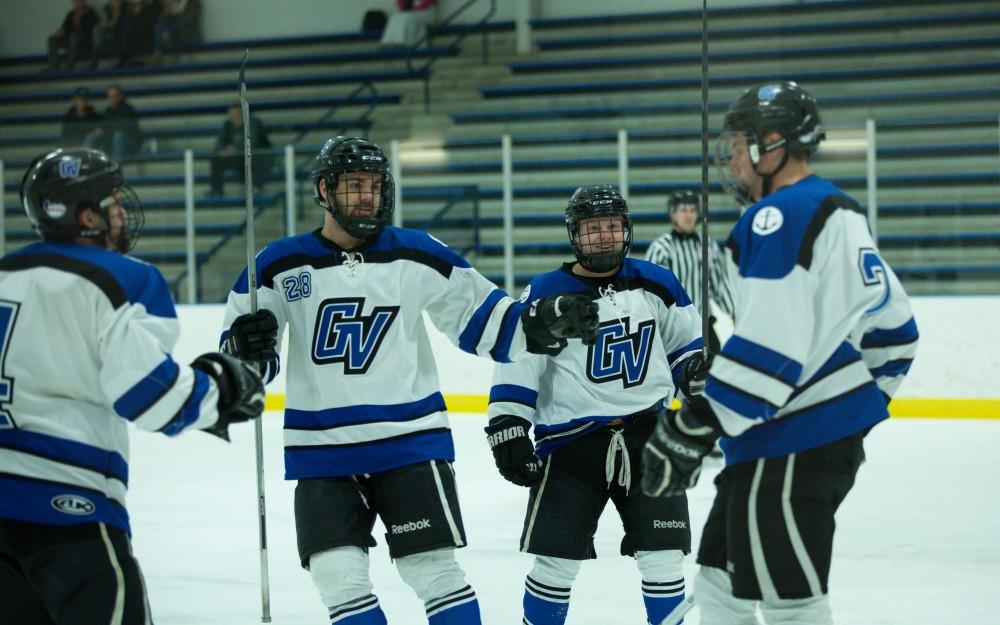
<point x="713" y="593"/>
<point x="440" y="582"/>
<point x="811" y="611"/>
<point x="341" y="577"/>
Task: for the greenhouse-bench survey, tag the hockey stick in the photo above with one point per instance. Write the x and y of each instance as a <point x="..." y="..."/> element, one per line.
<point x="677" y="614"/>
<point x="265" y="591"/>
<point x="704" y="179"/>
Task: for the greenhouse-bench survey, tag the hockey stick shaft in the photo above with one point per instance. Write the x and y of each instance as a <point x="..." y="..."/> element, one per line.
<point x="677" y="614"/>
<point x="704" y="180"/>
<point x="265" y="591"/>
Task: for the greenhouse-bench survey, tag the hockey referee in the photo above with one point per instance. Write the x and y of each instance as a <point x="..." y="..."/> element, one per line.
<point x="680" y="251"/>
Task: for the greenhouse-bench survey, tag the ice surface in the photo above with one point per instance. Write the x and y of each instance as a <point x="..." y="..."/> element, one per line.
<point x="918" y="539"/>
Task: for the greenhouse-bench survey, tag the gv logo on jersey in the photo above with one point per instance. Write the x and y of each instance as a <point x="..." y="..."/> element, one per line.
<point x="619" y="354"/>
<point x="873" y="274"/>
<point x="344" y="334"/>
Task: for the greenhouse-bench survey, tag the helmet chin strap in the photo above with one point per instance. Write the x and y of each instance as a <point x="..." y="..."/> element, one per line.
<point x="767" y="178"/>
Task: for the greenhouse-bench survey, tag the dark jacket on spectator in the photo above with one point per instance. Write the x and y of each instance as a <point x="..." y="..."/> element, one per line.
<point x="84" y="28"/>
<point x="123" y="118"/>
<point x="75" y="128"/>
<point x="231" y="134"/>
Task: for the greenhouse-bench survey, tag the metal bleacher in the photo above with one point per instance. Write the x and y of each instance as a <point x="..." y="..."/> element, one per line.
<point x="926" y="72"/>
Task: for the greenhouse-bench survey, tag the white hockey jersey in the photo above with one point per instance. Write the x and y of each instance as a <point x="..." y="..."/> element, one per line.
<point x="825" y="332"/>
<point x="362" y="391"/>
<point x="87" y="335"/>
<point x="648" y="327"/>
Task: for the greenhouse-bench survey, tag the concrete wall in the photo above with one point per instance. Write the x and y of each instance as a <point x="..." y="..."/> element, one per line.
<point x="958" y="356"/>
<point x="26" y="24"/>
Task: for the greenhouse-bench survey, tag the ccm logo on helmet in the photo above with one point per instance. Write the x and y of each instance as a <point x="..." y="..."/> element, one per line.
<point x="73" y="504"/>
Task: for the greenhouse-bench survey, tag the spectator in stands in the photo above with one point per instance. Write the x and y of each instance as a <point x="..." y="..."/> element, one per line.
<point x="112" y="37"/>
<point x="80" y="121"/>
<point x="229" y="150"/>
<point x="409" y="25"/>
<point x="120" y="134"/>
<point x="165" y="29"/>
<point x="145" y="14"/>
<point x="75" y="37"/>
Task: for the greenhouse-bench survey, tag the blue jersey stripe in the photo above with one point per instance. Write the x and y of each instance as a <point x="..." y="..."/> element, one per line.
<point x="743" y="403"/>
<point x="147" y="391"/>
<point x="51" y="503"/>
<point x="834" y="419"/>
<point x="692" y="346"/>
<point x="759" y="358"/>
<point x="374" y="457"/>
<point x="513" y="393"/>
<point x="845" y="355"/>
<point x="108" y="463"/>
<point x="501" y="349"/>
<point x="903" y="335"/>
<point x="354" y="415"/>
<point x="191" y="409"/>
<point x="473" y="332"/>
<point x="892" y="368"/>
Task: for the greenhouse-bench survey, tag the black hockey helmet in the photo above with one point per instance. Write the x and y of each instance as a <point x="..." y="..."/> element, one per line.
<point x="685" y="197"/>
<point x="342" y="155"/>
<point x="783" y="107"/>
<point x="597" y="201"/>
<point x="59" y="185"/>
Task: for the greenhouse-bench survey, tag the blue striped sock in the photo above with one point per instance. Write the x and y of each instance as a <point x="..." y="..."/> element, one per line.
<point x="457" y="608"/>
<point x="661" y="598"/>
<point x="362" y="611"/>
<point x="544" y="605"/>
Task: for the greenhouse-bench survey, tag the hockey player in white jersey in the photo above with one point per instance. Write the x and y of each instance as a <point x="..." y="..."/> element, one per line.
<point x="593" y="408"/>
<point x="86" y="336"/>
<point x="366" y="430"/>
<point x="824" y="337"/>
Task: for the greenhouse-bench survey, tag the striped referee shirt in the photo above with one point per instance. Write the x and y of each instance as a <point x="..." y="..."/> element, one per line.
<point x="681" y="254"/>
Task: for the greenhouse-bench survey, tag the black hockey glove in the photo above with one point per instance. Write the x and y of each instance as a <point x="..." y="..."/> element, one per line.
<point x="549" y="321"/>
<point x="671" y="460"/>
<point x="513" y="451"/>
<point x="253" y="337"/>
<point x="241" y="391"/>
<point x="694" y="374"/>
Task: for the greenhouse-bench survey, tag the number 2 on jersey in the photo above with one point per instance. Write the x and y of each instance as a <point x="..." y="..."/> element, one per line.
<point x="873" y="274"/>
<point x="8" y="315"/>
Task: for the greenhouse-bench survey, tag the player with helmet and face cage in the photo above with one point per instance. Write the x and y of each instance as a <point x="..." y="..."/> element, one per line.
<point x="593" y="408"/>
<point x="65" y="546"/>
<point x="680" y="251"/>
<point x="824" y="338"/>
<point x="366" y="428"/>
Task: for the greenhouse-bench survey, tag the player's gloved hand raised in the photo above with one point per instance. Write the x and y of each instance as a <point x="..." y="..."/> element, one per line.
<point x="253" y="337"/>
<point x="513" y="451"/>
<point x="241" y="391"/>
<point x="671" y="460"/>
<point x="695" y="373"/>
<point x="549" y="321"/>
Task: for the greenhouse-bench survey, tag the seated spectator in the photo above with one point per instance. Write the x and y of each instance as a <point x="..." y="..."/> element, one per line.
<point x="119" y="135"/>
<point x="112" y="37"/>
<point x="229" y="150"/>
<point x="409" y="25"/>
<point x="79" y="122"/>
<point x="75" y="37"/>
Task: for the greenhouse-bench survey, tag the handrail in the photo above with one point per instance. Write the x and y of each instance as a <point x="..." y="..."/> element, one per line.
<point x="354" y="95"/>
<point x="464" y="192"/>
<point x="425" y="40"/>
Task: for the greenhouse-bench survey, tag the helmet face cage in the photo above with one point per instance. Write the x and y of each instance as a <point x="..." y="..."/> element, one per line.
<point x="374" y="195"/>
<point x="782" y="107"/>
<point x="599" y="228"/>
<point x="60" y="185"/>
